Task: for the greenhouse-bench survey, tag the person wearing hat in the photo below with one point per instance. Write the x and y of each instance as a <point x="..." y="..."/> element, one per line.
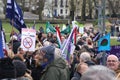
<point x="21" y="70"/>
<point x="54" y="68"/>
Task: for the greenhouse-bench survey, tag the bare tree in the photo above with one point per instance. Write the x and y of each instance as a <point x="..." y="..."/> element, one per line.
<point x="111" y="5"/>
<point x="83" y="12"/>
<point x="40" y="9"/>
<point x="95" y="7"/>
<point x="90" y="9"/>
<point x="72" y="9"/>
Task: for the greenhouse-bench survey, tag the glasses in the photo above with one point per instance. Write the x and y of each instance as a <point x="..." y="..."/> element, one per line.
<point x="112" y="61"/>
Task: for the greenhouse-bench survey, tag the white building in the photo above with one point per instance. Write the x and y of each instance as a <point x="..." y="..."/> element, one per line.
<point x="56" y="8"/>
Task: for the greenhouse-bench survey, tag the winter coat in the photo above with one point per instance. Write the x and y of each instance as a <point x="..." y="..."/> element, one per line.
<point x="117" y="74"/>
<point x="56" y="70"/>
<point x="76" y="76"/>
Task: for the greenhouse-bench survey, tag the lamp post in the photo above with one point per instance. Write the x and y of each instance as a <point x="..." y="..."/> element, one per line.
<point x="103" y="14"/>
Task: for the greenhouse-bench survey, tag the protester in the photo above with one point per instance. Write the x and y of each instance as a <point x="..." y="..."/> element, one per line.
<point x="98" y="72"/>
<point x="81" y="68"/>
<point x="15" y="44"/>
<point x="112" y="28"/>
<point x="7" y="69"/>
<point x="21" y="69"/>
<point x="86" y="58"/>
<point x="41" y="30"/>
<point x="20" y="54"/>
<point x="37" y="69"/>
<point x="54" y="68"/>
<point x="113" y="63"/>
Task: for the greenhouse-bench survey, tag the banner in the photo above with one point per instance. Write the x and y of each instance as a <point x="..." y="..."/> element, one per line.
<point x="115" y="50"/>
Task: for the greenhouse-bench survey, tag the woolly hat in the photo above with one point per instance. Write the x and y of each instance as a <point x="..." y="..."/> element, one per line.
<point x="7" y="69"/>
<point x="49" y="52"/>
<point x="20" y="68"/>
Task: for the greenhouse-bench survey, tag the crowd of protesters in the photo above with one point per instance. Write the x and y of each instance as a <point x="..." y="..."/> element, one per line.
<point x="46" y="62"/>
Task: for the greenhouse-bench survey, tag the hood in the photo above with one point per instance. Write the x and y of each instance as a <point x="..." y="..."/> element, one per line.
<point x="59" y="63"/>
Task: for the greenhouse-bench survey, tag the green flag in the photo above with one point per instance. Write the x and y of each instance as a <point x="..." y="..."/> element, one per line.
<point x="66" y="30"/>
<point x="50" y="28"/>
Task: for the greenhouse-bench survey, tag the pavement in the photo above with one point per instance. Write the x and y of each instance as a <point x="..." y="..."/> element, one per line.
<point x="30" y="16"/>
<point x="114" y="37"/>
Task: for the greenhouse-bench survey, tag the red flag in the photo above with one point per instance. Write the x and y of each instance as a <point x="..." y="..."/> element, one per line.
<point x="58" y="36"/>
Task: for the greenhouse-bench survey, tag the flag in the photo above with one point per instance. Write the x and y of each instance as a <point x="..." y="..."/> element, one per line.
<point x="14" y="13"/>
<point x="104" y="43"/>
<point x="58" y="36"/>
<point x="1" y="44"/>
<point x="81" y="28"/>
<point x="75" y="35"/>
<point x="63" y="27"/>
<point x="66" y="50"/>
<point x="66" y="30"/>
<point x="34" y="27"/>
<point x="97" y="36"/>
<point x="75" y="26"/>
<point x="50" y="28"/>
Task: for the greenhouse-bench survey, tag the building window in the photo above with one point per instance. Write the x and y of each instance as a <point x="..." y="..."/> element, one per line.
<point x="61" y="11"/>
<point x="61" y="3"/>
<point x="56" y="3"/>
<point x="66" y="11"/>
<point x="66" y="3"/>
<point x="55" y="12"/>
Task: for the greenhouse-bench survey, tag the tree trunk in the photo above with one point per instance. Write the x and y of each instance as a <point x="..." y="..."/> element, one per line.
<point x="72" y="10"/>
<point x="112" y="8"/>
<point x="41" y="6"/>
<point x="83" y="17"/>
<point x="96" y="11"/>
<point x="90" y="9"/>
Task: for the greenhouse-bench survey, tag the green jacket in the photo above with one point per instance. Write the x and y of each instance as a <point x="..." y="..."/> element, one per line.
<point x="57" y="70"/>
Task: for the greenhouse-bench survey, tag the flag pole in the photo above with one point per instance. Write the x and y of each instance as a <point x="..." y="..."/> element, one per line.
<point x="12" y="34"/>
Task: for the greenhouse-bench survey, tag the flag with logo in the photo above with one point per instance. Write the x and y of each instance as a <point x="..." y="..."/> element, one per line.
<point x="66" y="29"/>
<point x="50" y="28"/>
<point x="14" y="13"/>
<point x="104" y="43"/>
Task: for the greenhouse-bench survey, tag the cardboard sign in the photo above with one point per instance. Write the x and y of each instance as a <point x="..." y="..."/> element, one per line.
<point x="28" y="39"/>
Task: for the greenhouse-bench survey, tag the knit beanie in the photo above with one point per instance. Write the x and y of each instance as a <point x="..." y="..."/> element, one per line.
<point x="20" y="68"/>
<point x="49" y="52"/>
<point x="7" y="69"/>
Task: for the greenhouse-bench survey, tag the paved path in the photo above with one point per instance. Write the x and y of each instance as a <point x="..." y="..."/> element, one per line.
<point x="114" y="37"/>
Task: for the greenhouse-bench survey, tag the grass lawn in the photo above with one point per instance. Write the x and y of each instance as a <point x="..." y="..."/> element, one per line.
<point x="8" y="28"/>
<point x="114" y="42"/>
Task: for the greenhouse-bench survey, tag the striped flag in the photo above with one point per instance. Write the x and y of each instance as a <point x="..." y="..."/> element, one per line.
<point x="14" y="13"/>
<point x="68" y="47"/>
<point x="75" y="25"/>
<point x="58" y="36"/>
<point x="96" y="37"/>
<point x="75" y="35"/>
